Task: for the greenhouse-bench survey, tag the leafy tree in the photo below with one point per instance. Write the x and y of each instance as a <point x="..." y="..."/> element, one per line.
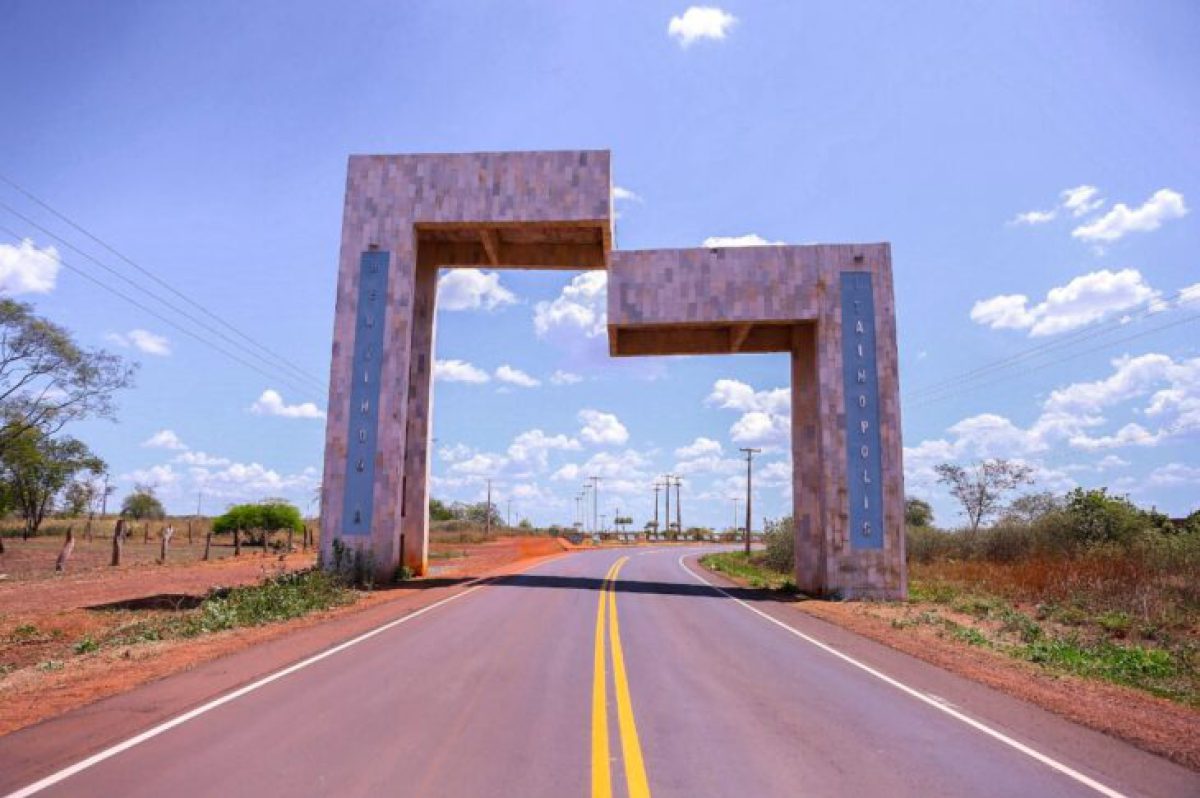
<point x="438" y="511"/>
<point x="1096" y="517"/>
<point x="37" y="468"/>
<point x="917" y="512"/>
<point x="143" y="505"/>
<point x="1033" y="507"/>
<point x="47" y="379"/>
<point x="525" y="524"/>
<point x="269" y="516"/>
<point x="981" y="488"/>
<point x="478" y="513"/>
<point x="80" y="496"/>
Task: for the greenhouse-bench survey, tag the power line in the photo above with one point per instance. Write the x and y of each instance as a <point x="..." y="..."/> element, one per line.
<point x="67" y="265"/>
<point x="1089" y="332"/>
<point x="80" y="228"/>
<point x="951" y="393"/>
<point x="199" y="322"/>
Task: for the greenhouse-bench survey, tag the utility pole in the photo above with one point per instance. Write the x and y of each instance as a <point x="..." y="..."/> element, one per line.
<point x="199" y="501"/>
<point x="749" y="497"/>
<point x="104" y="500"/>
<point x="736" y="501"/>
<point x="657" y="488"/>
<point x="595" y="499"/>
<point x="678" y="505"/>
<point x="487" y="521"/>
<point x="667" y="500"/>
<point x="509" y="513"/>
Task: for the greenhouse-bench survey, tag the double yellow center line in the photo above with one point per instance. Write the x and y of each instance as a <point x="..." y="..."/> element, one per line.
<point x="631" y="749"/>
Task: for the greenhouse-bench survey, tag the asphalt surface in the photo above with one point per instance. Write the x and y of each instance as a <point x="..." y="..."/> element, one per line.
<point x="612" y="672"/>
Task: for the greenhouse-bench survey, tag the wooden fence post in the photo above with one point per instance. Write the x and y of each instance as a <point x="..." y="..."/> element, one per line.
<point x="60" y="564"/>
<point x="207" y="543"/>
<point x="165" y="544"/>
<point x="118" y="541"/>
<point x="237" y="542"/>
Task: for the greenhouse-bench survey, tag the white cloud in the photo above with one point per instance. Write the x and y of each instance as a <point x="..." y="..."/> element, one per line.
<point x="534" y="446"/>
<point x="472" y="289"/>
<point x="1076" y="201"/>
<point x="704" y="456"/>
<point x="700" y="447"/>
<point x="271" y="403"/>
<point x="25" y="269"/>
<point x="165" y="439"/>
<point x="583" y="305"/>
<point x="159" y="476"/>
<point x="621" y="473"/>
<point x="602" y="428"/>
<point x="700" y="22"/>
<point x="203" y="460"/>
<point x="1081" y="301"/>
<point x="561" y="377"/>
<point x="143" y="341"/>
<point x="1173" y="474"/>
<point x="459" y="451"/>
<point x="482" y="464"/>
<point x="766" y="415"/>
<point x="1071" y="415"/>
<point x="1081" y="200"/>
<point x="458" y="371"/>
<point x="748" y="240"/>
<point x="513" y="376"/>
<point x="1121" y="220"/>
<point x="1035" y="217"/>
<point x="1189" y="294"/>
<point x="625" y="195"/>
<point x="250" y="481"/>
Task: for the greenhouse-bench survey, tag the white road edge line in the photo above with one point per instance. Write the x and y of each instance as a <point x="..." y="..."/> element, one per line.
<point x="917" y="694"/>
<point x="108" y="753"/>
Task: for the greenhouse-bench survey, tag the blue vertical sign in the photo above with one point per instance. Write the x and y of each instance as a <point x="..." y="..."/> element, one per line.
<point x="361" y="443"/>
<point x="860" y="379"/>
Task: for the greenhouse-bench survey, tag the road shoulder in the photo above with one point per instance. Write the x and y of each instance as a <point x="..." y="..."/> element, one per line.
<point x="1154" y="725"/>
<point x="226" y="664"/>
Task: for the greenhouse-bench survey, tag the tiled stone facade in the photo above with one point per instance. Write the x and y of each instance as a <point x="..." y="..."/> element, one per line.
<point x="540" y="210"/>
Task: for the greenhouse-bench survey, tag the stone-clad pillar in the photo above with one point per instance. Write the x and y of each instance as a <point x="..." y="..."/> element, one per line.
<point x="808" y="457"/>
<point x="366" y="424"/>
<point x="414" y="522"/>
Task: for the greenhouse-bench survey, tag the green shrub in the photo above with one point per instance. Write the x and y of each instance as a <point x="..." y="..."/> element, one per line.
<point x="781" y="546"/>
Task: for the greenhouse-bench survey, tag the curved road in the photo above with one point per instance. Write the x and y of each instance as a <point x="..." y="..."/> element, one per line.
<point x="615" y="672"/>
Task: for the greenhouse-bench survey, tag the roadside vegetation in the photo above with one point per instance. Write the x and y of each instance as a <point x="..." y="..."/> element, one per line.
<point x="1085" y="583"/>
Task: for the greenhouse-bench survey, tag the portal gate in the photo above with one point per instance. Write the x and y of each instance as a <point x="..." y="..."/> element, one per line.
<point x="830" y="306"/>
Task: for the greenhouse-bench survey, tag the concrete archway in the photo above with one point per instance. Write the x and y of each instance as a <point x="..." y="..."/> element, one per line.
<point x="830" y="306"/>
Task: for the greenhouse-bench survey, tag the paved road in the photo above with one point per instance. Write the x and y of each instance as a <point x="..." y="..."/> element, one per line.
<point x="618" y="672"/>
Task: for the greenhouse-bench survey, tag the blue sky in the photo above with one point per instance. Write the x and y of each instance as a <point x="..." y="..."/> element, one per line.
<point x="1033" y="165"/>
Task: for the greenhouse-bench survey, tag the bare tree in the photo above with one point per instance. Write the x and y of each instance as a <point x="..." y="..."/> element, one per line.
<point x="981" y="488"/>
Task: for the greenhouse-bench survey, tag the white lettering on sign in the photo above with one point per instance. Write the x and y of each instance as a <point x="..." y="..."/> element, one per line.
<point x="861" y="392"/>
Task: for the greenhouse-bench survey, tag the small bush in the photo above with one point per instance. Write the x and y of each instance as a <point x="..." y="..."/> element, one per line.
<point x="86" y="646"/>
<point x="781" y="546"/>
